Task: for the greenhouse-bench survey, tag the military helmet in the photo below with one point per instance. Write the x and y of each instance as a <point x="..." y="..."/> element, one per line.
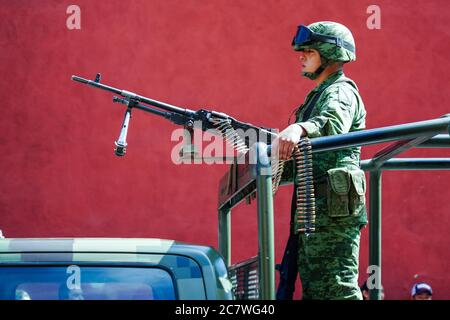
<point x="333" y="40"/>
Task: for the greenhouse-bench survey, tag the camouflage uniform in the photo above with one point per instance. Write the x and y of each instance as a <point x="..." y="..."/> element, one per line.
<point x="328" y="259"/>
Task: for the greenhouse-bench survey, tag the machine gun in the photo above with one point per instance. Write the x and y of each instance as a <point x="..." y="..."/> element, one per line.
<point x="221" y="123"/>
<point x="229" y="128"/>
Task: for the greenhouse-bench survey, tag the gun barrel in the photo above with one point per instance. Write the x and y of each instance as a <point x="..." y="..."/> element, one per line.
<point x="166" y="106"/>
<point x="131" y="95"/>
<point x="79" y="79"/>
<point x="97" y="84"/>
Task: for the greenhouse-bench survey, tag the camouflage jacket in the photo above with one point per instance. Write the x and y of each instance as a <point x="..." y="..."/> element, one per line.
<point x="338" y="110"/>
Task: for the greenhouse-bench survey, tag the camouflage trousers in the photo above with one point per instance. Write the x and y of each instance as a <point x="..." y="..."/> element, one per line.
<point x="328" y="263"/>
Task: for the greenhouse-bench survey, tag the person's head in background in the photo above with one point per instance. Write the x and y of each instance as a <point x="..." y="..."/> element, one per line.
<point x="421" y="291"/>
<point x="365" y="291"/>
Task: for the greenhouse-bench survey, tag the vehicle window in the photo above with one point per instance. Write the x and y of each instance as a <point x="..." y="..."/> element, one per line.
<point x="85" y="283"/>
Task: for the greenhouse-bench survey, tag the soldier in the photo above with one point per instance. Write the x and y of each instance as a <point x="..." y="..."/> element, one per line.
<point x="327" y="259"/>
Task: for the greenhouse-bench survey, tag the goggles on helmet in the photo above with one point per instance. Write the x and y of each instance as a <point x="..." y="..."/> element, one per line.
<point x="305" y="35"/>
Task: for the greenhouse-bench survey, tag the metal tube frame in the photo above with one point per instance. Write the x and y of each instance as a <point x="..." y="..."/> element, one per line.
<point x="266" y="251"/>
<point x="424" y="134"/>
<point x="375" y="231"/>
<point x="225" y="234"/>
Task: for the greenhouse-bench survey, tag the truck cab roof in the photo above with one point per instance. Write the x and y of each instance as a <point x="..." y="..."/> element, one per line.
<point x="195" y="271"/>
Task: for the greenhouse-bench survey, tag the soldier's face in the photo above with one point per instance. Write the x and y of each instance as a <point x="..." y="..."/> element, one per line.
<point x="310" y="60"/>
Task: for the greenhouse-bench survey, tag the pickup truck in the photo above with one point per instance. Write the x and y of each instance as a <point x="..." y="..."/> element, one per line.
<point x="110" y="269"/>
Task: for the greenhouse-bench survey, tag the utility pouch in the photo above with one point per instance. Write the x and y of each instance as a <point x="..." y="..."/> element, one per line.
<point x="338" y="192"/>
<point x="357" y="191"/>
<point x="346" y="192"/>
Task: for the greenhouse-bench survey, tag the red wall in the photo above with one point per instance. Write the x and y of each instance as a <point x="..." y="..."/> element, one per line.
<point x="60" y="177"/>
